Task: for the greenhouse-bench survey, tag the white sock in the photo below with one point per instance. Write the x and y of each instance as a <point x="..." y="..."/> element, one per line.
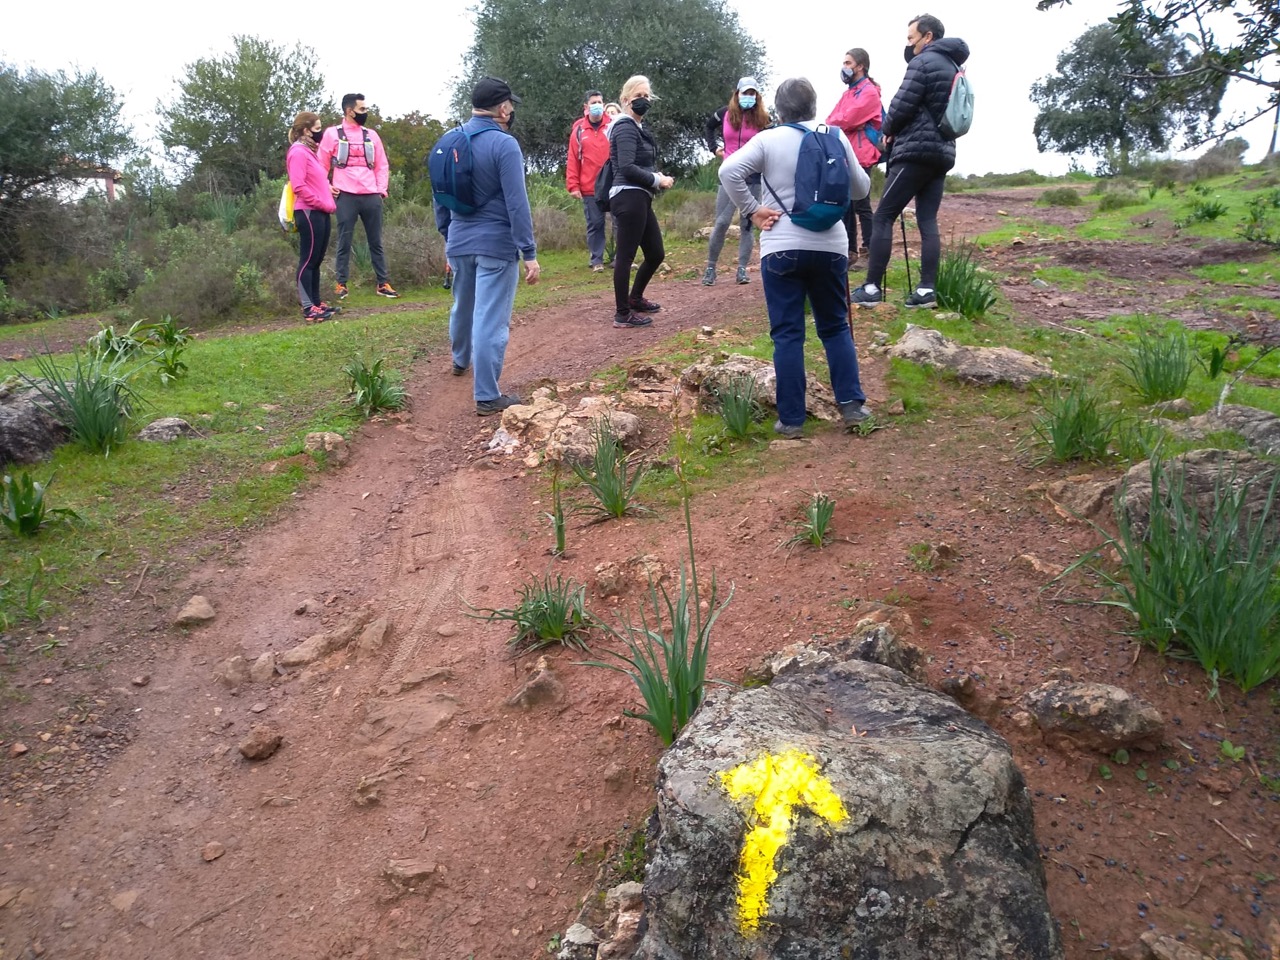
<point x="923" y="291"/>
<point x="871" y="288"/>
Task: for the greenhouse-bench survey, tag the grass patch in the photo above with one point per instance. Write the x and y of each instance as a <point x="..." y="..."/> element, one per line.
<point x="548" y="613"/>
<point x="1072" y="424"/>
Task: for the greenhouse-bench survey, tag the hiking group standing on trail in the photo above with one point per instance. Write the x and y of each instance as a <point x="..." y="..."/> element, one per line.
<point x="804" y="185"/>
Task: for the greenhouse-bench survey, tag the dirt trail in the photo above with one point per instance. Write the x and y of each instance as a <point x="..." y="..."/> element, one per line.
<point x="108" y="859"/>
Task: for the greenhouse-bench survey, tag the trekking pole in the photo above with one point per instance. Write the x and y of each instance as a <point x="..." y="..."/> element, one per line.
<point x="905" y="253"/>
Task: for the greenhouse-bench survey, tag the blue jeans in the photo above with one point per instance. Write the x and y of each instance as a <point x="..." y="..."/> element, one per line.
<point x="595" y="230"/>
<point x="791" y="277"/>
<point x="484" y="291"/>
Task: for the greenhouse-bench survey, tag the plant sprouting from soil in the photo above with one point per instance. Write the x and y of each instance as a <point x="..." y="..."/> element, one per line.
<point x="1072" y="424"/>
<point x="739" y="407"/>
<point x="547" y="613"/>
<point x="612" y="476"/>
<point x="961" y="286"/>
<point x="1160" y="366"/>
<point x="22" y="507"/>
<point x="372" y="390"/>
<point x="814" y="527"/>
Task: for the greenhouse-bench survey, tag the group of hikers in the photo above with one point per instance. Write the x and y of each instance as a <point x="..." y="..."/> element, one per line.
<point x="482" y="207"/>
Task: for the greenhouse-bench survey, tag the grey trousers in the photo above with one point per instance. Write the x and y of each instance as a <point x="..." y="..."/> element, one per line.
<point x="367" y="207"/>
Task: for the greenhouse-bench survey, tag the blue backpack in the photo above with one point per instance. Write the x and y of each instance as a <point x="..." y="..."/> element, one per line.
<point x="449" y="165"/>
<point x="875" y="134"/>
<point x="823" y="180"/>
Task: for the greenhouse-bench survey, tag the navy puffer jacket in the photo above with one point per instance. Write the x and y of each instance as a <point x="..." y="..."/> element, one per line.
<point x="921" y="101"/>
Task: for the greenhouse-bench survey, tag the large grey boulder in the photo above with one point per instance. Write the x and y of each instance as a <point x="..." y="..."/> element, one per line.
<point x="28" y="431"/>
<point x="1201" y="472"/>
<point x="928" y="846"/>
<point x="983" y="366"/>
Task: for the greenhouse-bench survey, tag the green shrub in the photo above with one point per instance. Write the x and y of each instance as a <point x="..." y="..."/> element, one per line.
<point x="94" y="400"/>
<point x="547" y="613"/>
<point x="414" y="248"/>
<point x="612" y="476"/>
<point x="1061" y="197"/>
<point x="22" y="506"/>
<point x="371" y="390"/>
<point x="1206" y="211"/>
<point x="109" y="345"/>
<point x="1204" y="584"/>
<point x="1160" y="366"/>
<point x="558" y="230"/>
<point x="1117" y="199"/>
<point x="683" y="213"/>
<point x="1071" y="424"/>
<point x="961" y="285"/>
<point x="1261" y="223"/>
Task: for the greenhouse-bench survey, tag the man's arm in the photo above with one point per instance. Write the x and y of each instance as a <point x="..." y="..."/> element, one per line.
<point x="381" y="165"/>
<point x="573" y="169"/>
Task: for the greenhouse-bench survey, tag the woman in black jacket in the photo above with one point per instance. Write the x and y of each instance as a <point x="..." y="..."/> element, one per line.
<point x="636" y="182"/>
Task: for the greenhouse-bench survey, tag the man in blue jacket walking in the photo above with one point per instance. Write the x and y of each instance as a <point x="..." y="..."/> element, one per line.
<point x="485" y="247"/>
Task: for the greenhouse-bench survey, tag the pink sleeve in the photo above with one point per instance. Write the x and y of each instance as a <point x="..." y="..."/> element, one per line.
<point x="865" y="108"/>
<point x="297" y="163"/>
<point x="381" y="166"/>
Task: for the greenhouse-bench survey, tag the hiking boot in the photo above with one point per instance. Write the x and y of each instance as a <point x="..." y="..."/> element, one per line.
<point x="385" y="290"/>
<point x="316" y="314"/>
<point x="486" y="407"/>
<point x="340" y="291"/>
<point x="597" y="268"/>
<point x="641" y="305"/>
<point x="709" y="278"/>
<point x="853" y="412"/>
<point x="862" y="297"/>
<point x="922" y="298"/>
<point x="330" y="307"/>
<point x="793" y="431"/>
<point x="630" y="318"/>
<point x="742" y="275"/>
<point x="459" y="371"/>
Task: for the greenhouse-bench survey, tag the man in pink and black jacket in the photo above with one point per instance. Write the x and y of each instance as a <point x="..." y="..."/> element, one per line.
<point x="360" y="172"/>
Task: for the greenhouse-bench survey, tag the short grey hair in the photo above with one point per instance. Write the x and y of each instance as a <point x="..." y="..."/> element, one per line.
<point x="795" y="100"/>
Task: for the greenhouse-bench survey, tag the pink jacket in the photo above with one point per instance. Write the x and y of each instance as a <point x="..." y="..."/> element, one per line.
<point x="310" y="184"/>
<point x="859" y="106"/>
<point x="356" y="176"/>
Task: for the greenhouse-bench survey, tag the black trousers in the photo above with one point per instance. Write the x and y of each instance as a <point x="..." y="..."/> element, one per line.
<point x="637" y="230"/>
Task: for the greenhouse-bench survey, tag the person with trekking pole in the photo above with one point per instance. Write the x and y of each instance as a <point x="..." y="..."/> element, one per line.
<point x="920" y="158"/>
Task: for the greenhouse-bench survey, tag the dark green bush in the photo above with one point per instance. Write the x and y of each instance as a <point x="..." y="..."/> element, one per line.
<point x="1117" y="199"/>
<point x="1061" y="197"/>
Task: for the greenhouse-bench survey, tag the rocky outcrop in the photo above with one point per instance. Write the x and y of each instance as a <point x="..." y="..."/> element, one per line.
<point x="28" y="431"/>
<point x="843" y="811"/>
<point x="1201" y="473"/>
<point x="1260" y="429"/>
<point x="705" y="380"/>
<point x="984" y="366"/>
<point x="166" y="430"/>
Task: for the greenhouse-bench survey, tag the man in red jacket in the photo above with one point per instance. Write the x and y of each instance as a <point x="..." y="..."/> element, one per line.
<point x="588" y="151"/>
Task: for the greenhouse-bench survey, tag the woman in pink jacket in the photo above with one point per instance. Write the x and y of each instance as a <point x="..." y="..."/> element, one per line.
<point x="859" y="109"/>
<point x="312" y="204"/>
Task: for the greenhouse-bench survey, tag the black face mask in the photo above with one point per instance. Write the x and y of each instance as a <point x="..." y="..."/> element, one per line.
<point x="511" y="120"/>
<point x="640" y="106"/>
<point x="360" y="118"/>
<point x="909" y="52"/>
<point x="314" y="135"/>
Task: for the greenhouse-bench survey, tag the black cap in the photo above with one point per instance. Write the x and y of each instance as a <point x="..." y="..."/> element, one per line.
<point x="490" y="92"/>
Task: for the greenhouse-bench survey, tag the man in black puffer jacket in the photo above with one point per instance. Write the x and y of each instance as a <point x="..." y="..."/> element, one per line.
<point x="920" y="158"/>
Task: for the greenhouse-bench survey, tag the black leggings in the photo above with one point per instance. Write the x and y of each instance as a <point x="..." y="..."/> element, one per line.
<point x="313" y="241"/>
<point x="637" y="229"/>
<point x="902" y="182"/>
<point x="858" y="218"/>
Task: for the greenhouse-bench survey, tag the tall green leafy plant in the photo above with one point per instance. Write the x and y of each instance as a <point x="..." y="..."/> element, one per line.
<point x="612" y="476"/>
<point x="1160" y="366"/>
<point x="22" y="507"/>
<point x="666" y="652"/>
<point x="94" y="399"/>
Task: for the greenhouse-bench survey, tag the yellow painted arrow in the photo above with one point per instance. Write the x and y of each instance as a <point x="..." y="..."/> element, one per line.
<point x="778" y="784"/>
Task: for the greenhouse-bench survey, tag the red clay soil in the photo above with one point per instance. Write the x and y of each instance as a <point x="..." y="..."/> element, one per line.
<point x="132" y="828"/>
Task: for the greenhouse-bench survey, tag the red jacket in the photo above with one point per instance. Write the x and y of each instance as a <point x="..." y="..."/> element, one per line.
<point x="588" y="151"/>
<point x="858" y="108"/>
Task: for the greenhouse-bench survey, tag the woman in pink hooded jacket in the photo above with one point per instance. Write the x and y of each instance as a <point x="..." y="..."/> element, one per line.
<point x="858" y="109"/>
<point x="312" y="204"/>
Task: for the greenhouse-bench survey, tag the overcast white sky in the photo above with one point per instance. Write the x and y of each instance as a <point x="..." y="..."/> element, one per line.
<point x="140" y="48"/>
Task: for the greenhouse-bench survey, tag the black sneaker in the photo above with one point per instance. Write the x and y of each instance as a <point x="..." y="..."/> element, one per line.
<point x="486" y="407"/>
<point x="853" y="412"/>
<point x="918" y="299"/>
<point x="631" y="319"/>
<point x="862" y="297"/>
<point x="459" y="371"/>
<point x="641" y="305"/>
